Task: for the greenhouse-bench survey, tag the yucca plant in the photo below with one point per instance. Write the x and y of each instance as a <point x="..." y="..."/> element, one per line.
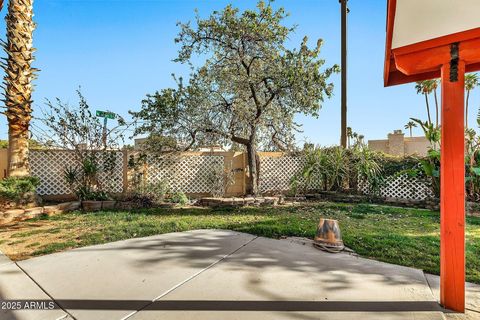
<point x="336" y="171"/>
<point x="18" y="82"/>
<point x="366" y="169"/>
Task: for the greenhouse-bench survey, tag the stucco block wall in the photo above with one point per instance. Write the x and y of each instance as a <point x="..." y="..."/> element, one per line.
<point x="398" y="145"/>
<point x="416" y="145"/>
<point x="378" y="145"/>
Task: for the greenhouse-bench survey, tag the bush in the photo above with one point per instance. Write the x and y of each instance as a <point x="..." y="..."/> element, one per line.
<point x="149" y="195"/>
<point x="15" y="188"/>
<point x="179" y="197"/>
<point x="338" y="169"/>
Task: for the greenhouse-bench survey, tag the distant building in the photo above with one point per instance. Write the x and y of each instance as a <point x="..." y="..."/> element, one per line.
<point x="398" y="145"/>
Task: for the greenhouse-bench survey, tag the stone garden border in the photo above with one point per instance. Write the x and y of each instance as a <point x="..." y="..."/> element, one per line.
<point x="13" y="215"/>
<point x="240" y="202"/>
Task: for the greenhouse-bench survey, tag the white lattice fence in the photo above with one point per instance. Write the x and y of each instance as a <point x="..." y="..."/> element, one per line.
<point x="49" y="167"/>
<point x="189" y="174"/>
<point x="276" y="173"/>
<point x="403" y="187"/>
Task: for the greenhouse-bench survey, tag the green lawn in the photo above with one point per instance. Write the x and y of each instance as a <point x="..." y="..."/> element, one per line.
<point x="408" y="237"/>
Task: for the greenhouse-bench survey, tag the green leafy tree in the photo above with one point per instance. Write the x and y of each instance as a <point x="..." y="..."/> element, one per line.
<point x="247" y="90"/>
<point x="471" y="81"/>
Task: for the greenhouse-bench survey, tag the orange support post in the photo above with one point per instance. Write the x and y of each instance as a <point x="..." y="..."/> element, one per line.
<point x="452" y="203"/>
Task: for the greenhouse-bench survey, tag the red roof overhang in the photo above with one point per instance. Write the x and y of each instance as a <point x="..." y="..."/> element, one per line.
<point x="422" y="61"/>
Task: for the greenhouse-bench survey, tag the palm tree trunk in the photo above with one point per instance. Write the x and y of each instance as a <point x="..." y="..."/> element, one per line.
<point x="18" y="82"/>
<point x="410" y="132"/>
<point x="436" y="107"/>
<point x="466" y="109"/>
<point x="428" y="109"/>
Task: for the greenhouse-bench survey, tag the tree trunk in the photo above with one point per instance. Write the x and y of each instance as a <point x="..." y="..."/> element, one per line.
<point x="410" y="132"/>
<point x="18" y="82"/>
<point x="436" y="107"/>
<point x="466" y="109"/>
<point x="253" y="168"/>
<point x="428" y="109"/>
<point x="18" y="152"/>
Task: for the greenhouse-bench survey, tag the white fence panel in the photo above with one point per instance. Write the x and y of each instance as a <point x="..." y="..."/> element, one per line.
<point x="189" y="174"/>
<point x="49" y="166"/>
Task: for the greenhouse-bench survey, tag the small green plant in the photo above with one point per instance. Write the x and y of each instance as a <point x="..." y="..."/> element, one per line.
<point x="14" y="188"/>
<point x="85" y="193"/>
<point x="83" y="180"/>
<point x="179" y="197"/>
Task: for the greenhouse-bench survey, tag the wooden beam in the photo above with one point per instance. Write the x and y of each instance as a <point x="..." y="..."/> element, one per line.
<point x="423" y="64"/>
<point x="452" y="203"/>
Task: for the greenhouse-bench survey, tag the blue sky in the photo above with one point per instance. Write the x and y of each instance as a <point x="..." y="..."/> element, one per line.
<point x="120" y="50"/>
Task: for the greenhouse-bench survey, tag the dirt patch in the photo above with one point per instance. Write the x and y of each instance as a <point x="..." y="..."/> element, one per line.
<point x="22" y="240"/>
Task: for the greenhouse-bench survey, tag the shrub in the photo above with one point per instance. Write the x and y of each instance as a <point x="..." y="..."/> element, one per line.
<point x="338" y="169"/>
<point x="14" y="188"/>
<point x="84" y="193"/>
<point x="179" y="197"/>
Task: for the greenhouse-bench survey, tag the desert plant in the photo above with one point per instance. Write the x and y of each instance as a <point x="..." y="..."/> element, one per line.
<point x="338" y="169"/>
<point x="367" y="168"/>
<point x="83" y="180"/>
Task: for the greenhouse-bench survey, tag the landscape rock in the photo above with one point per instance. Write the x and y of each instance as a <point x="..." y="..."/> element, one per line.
<point x="108" y="205"/>
<point x="51" y="210"/>
<point x="91" y="205"/>
<point x="14" y="214"/>
<point x="31" y="213"/>
<point x="249" y="200"/>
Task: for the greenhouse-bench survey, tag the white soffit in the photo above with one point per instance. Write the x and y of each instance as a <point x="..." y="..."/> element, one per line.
<point x="421" y="20"/>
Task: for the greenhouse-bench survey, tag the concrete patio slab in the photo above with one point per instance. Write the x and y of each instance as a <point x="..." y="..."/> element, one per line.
<point x="4" y="259"/>
<point x="472" y="294"/>
<point x="18" y="288"/>
<point x="218" y="274"/>
<point x="136" y="269"/>
<point x="301" y="279"/>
